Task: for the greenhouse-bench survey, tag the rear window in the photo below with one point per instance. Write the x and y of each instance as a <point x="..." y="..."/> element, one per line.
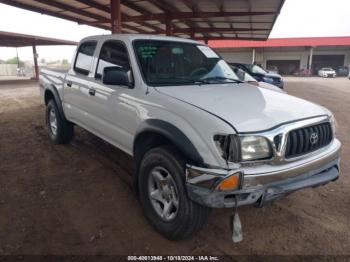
<point x="84" y="57"/>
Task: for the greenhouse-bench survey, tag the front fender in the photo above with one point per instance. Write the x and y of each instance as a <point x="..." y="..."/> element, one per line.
<point x="50" y="91"/>
<point x="175" y="135"/>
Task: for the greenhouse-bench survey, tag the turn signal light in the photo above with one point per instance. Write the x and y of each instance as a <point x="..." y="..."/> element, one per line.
<point x="229" y="183"/>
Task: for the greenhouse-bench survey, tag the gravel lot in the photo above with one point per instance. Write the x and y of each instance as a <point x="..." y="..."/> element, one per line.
<point x="77" y="199"/>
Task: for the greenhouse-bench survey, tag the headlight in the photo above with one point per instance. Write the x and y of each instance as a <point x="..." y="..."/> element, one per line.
<point x="334" y="124"/>
<point x="255" y="148"/>
<point x="233" y="148"/>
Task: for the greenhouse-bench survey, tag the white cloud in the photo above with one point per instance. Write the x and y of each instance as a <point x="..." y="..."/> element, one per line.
<point x="300" y="18"/>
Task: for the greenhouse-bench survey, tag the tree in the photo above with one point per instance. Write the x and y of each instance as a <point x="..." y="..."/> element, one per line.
<point x="64" y="62"/>
<point x="15" y="61"/>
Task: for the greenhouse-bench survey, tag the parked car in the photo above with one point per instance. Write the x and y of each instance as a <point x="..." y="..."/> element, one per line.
<point x="343" y="71"/>
<point x="200" y="138"/>
<point x="245" y="77"/>
<point x="326" y="72"/>
<point x="260" y="74"/>
<point x="303" y="72"/>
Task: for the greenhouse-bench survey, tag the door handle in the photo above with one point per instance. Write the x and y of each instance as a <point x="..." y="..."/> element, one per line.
<point x="92" y="91"/>
<point x="69" y="83"/>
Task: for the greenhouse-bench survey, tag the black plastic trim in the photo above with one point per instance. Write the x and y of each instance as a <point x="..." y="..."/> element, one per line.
<point x="175" y="135"/>
<point x="57" y="98"/>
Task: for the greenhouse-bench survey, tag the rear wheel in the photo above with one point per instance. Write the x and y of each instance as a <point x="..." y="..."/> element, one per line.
<point x="164" y="198"/>
<point x="60" y="130"/>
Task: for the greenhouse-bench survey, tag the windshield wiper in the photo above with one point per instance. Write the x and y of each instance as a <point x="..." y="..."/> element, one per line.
<point x="213" y="78"/>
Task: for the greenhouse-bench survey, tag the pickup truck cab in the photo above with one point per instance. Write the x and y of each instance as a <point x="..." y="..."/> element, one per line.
<point x="199" y="137"/>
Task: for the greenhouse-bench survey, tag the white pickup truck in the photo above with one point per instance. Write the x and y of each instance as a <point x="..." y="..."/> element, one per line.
<point x="199" y="137"/>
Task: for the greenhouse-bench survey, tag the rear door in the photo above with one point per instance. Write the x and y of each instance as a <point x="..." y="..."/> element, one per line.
<point x="76" y="90"/>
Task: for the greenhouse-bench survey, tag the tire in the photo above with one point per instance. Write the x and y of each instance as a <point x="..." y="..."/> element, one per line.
<point x="188" y="217"/>
<point x="60" y="131"/>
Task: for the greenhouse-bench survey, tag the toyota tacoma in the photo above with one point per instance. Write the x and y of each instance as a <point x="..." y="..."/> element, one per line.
<point x="199" y="137"/>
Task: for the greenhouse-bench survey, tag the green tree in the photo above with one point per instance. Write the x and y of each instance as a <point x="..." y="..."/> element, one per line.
<point x="64" y="62"/>
<point x="15" y="61"/>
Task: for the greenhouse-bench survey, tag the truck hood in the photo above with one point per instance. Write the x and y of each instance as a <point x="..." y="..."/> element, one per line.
<point x="246" y="107"/>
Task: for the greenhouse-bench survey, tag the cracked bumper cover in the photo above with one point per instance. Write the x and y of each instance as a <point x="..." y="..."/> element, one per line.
<point x="202" y="183"/>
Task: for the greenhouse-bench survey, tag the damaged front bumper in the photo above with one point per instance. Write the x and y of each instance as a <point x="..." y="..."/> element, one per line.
<point x="259" y="187"/>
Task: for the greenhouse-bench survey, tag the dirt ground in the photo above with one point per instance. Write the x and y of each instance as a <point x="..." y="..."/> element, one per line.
<point x="77" y="199"/>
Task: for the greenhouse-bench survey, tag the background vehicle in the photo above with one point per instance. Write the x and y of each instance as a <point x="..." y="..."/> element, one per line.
<point x="343" y="71"/>
<point x="260" y="74"/>
<point x="200" y="138"/>
<point x="273" y="69"/>
<point x="303" y="72"/>
<point x="245" y="77"/>
<point x="326" y="72"/>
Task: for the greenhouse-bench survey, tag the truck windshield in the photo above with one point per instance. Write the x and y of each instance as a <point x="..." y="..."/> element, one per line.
<point x="177" y="63"/>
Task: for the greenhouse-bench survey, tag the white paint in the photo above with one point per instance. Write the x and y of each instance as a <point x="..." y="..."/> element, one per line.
<point x="207" y="51"/>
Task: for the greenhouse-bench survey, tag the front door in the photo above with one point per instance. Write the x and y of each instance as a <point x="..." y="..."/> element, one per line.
<point x="113" y="112"/>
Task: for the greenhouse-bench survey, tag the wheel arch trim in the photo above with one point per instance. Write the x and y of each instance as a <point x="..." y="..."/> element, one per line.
<point x="53" y="90"/>
<point x="173" y="134"/>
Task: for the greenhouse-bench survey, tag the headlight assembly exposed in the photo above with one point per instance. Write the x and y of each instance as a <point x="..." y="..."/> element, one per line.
<point x="234" y="148"/>
<point x="255" y="148"/>
<point x="228" y="147"/>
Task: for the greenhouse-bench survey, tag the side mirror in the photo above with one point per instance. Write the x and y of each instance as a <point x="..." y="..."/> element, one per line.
<point x="114" y="75"/>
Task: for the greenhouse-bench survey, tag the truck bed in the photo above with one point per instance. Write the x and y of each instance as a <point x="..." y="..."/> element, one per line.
<point x="49" y="77"/>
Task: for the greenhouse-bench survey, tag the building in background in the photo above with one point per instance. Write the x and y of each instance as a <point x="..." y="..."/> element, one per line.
<point x="288" y="55"/>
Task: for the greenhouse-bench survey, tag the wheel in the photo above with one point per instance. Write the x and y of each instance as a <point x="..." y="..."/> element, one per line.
<point x="163" y="195"/>
<point x="60" y="131"/>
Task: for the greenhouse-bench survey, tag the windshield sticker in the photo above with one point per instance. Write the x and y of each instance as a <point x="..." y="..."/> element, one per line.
<point x="207" y="51"/>
<point x="147" y="51"/>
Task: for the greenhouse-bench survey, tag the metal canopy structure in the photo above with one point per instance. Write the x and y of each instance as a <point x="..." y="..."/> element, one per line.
<point x="8" y="39"/>
<point x="197" y="19"/>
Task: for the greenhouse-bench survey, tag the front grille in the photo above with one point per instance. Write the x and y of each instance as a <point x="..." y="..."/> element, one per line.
<point x="307" y="139"/>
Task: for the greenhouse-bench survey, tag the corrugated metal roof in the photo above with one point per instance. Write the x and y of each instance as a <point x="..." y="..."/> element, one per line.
<point x="8" y="39"/>
<point x="284" y="42"/>
<point x="200" y="19"/>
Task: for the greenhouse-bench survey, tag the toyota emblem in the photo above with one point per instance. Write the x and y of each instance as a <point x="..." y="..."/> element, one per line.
<point x="313" y="138"/>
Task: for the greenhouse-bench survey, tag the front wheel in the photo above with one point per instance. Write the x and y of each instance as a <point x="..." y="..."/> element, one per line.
<point x="164" y="198"/>
<point x="60" y="130"/>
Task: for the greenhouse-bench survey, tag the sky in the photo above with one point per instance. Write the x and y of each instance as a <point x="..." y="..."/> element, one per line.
<point x="298" y="18"/>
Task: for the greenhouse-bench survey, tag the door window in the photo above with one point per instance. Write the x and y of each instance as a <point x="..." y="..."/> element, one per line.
<point x="84" y="57"/>
<point x="113" y="53"/>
